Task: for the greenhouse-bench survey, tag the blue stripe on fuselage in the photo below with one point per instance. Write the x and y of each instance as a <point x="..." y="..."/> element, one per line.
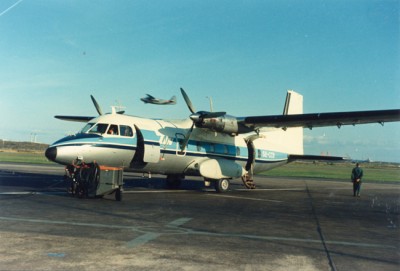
<point x="193" y="149"/>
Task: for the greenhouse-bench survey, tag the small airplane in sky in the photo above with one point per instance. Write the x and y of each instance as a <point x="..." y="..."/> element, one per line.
<point x="214" y="145"/>
<point x="152" y="100"/>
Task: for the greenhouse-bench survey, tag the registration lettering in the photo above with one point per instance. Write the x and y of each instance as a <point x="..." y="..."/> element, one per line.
<point x="268" y="154"/>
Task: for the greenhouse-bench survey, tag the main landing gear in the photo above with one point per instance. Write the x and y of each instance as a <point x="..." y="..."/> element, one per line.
<point x="174" y="181"/>
<point x="221" y="185"/>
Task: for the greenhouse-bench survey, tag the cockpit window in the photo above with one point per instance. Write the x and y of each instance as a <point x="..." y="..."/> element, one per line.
<point x="100" y="128"/>
<point x="87" y="127"/>
<point x="109" y="129"/>
<point x="113" y="130"/>
<point x="126" y="130"/>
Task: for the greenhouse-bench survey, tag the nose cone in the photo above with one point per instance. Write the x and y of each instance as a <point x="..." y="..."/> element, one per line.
<point x="51" y="153"/>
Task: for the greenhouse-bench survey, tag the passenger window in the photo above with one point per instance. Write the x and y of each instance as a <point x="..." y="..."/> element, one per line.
<point x="237" y="151"/>
<point x="126" y="130"/>
<point x="99" y="128"/>
<point x="212" y="147"/>
<point x="113" y="130"/>
<point x="198" y="146"/>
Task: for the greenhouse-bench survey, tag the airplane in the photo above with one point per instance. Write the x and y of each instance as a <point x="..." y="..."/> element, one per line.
<point x="214" y="145"/>
<point x="152" y="100"/>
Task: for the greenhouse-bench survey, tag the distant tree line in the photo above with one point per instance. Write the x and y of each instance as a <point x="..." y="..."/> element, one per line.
<point x="6" y="145"/>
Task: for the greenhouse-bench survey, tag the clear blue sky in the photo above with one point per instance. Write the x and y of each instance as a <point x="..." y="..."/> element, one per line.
<point x="341" y="55"/>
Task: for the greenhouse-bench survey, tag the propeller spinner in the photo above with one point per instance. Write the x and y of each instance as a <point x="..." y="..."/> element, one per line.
<point x="197" y="117"/>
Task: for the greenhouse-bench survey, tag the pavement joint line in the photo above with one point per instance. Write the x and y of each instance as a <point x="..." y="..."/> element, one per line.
<point x="175" y="224"/>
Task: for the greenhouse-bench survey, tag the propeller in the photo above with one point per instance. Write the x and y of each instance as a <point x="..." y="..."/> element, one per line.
<point x="96" y="105"/>
<point x="199" y="115"/>
<point x="98" y="108"/>
<point x="86" y="118"/>
<point x="196" y="117"/>
<point x="188" y="102"/>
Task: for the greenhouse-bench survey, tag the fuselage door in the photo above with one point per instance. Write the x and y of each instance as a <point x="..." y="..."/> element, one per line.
<point x="151" y="147"/>
<point x="148" y="146"/>
<point x="180" y="138"/>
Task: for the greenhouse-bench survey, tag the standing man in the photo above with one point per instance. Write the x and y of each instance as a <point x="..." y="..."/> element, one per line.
<point x="356" y="175"/>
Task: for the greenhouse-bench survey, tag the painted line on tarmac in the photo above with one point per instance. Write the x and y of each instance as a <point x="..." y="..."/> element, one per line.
<point x="179" y="222"/>
<point x="175" y="224"/>
<point x="245" y="198"/>
<point x="155" y="191"/>
<point x="289" y="239"/>
<point x="61" y="193"/>
<point x="143" y="239"/>
<point x="270" y="189"/>
<point x="17" y="193"/>
<point x="31" y="193"/>
<point x="70" y="223"/>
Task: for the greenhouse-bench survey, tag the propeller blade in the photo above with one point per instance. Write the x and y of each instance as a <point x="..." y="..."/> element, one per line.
<point x="187" y="137"/>
<point x="96" y="105"/>
<point x="188" y="102"/>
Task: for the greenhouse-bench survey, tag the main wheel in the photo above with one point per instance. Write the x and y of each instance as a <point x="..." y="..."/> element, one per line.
<point x="174" y="181"/>
<point x="222" y="185"/>
<point x="118" y="194"/>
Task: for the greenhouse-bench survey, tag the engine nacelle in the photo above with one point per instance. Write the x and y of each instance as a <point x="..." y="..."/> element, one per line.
<point x="224" y="124"/>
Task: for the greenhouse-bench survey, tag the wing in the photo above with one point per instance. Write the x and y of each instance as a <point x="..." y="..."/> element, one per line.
<point x="321" y="119"/>
<point x="75" y="118"/>
<point x="150" y="97"/>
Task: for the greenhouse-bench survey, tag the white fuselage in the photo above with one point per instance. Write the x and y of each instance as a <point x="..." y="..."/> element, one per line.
<point x="155" y="146"/>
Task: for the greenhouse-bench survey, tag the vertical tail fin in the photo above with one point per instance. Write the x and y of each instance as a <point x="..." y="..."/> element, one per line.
<point x="293" y="103"/>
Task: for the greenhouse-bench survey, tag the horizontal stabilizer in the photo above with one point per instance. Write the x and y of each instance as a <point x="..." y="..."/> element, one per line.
<point x="295" y="157"/>
<point x="74" y="118"/>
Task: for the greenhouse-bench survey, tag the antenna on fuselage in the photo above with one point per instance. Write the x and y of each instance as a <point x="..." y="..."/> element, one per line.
<point x="211" y="103"/>
<point x="116" y="109"/>
<point x="120" y="108"/>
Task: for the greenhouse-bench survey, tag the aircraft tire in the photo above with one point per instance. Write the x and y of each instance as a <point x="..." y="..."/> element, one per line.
<point x="174" y="181"/>
<point x="222" y="185"/>
<point x="118" y="194"/>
